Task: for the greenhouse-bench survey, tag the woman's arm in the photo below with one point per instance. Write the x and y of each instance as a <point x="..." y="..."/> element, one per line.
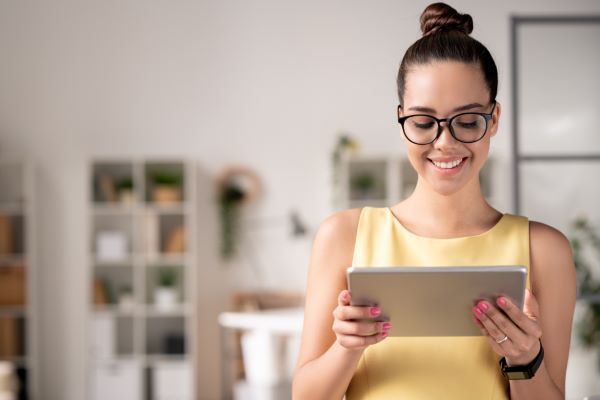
<point x="332" y="343"/>
<point x="553" y="282"/>
<point x="547" y="317"/>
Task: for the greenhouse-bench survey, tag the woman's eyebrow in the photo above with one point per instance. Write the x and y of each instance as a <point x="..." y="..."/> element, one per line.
<point x="466" y="107"/>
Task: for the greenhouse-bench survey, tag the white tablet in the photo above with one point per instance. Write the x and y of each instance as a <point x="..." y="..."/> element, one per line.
<point x="434" y="301"/>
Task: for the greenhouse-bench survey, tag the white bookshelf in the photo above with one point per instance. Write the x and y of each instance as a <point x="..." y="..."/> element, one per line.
<point x="17" y="273"/>
<point x="134" y="344"/>
<point x="392" y="179"/>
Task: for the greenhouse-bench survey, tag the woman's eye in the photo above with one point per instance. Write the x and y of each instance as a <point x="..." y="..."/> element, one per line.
<point x="468" y="125"/>
<point x="427" y="125"/>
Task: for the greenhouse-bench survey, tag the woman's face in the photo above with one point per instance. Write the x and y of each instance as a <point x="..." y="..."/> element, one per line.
<point x="443" y="89"/>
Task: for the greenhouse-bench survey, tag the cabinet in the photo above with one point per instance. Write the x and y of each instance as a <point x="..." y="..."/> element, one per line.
<point x="17" y="268"/>
<point x="143" y="279"/>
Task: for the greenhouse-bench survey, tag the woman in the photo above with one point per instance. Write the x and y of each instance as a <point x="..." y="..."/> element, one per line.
<point x="448" y="113"/>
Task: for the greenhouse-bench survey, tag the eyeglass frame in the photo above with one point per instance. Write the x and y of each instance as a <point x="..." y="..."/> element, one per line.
<point x="486" y="116"/>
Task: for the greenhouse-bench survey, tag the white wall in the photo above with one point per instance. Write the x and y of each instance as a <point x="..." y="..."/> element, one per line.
<point x="264" y="83"/>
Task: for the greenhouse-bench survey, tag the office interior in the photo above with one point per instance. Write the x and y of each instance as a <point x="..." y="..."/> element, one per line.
<point x="164" y="167"/>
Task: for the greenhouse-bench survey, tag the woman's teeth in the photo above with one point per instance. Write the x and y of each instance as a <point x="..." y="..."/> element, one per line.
<point x="447" y="165"/>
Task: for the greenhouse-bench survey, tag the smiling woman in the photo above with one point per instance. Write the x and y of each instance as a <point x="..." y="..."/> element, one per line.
<point x="448" y="114"/>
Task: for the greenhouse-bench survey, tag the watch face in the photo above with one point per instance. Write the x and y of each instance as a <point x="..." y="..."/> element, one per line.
<point x="518" y="375"/>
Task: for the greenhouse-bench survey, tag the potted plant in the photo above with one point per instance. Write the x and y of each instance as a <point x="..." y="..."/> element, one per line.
<point x="126" y="300"/>
<point x="166" y="187"/>
<point x="125" y="190"/>
<point x="586" y="241"/>
<point x="364" y="184"/>
<point x="165" y="293"/>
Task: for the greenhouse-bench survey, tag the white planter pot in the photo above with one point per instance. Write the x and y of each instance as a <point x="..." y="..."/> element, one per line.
<point x="165" y="298"/>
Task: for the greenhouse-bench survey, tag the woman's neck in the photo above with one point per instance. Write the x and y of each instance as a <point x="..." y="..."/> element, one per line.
<point x="463" y="212"/>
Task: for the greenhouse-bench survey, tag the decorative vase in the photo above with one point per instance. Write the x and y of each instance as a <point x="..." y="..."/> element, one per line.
<point x="165" y="298"/>
<point x="166" y="194"/>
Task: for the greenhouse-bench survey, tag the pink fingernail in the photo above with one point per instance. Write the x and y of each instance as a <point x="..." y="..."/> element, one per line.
<point x="483" y="306"/>
<point x="501" y="301"/>
<point x="387" y="326"/>
<point x="375" y="311"/>
<point x="477" y="311"/>
<point x="385" y="334"/>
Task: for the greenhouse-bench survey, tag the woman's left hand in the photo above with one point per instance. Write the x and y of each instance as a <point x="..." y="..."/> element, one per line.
<point x="512" y="333"/>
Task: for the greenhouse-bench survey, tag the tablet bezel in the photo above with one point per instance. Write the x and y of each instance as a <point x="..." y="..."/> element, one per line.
<point x="405" y="295"/>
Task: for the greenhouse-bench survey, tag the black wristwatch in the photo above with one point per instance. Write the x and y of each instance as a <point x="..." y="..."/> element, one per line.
<point x="522" y="371"/>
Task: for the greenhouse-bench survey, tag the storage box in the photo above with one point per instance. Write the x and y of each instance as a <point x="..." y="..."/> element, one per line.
<point x="12" y="286"/>
<point x="172" y="381"/>
<point x="117" y="380"/>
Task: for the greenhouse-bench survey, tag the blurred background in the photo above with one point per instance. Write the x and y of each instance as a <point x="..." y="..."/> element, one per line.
<point x="165" y="165"/>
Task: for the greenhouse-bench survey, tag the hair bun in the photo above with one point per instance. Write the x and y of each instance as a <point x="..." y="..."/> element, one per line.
<point x="439" y="17"/>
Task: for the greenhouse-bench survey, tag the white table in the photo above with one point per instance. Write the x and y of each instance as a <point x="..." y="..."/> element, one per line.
<point x="262" y="330"/>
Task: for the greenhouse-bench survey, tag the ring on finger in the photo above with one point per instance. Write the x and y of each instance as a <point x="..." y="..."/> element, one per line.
<point x="504" y="339"/>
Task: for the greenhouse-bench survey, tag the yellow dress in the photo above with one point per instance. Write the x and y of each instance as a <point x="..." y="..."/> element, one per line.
<point x="423" y="368"/>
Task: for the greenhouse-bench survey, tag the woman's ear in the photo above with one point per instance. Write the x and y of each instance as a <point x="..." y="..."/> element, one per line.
<point x="495" y="119"/>
<point x="399" y="110"/>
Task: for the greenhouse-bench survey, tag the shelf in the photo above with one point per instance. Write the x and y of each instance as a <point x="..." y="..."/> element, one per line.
<point x="144" y="236"/>
<point x="158" y="359"/>
<point x="13" y="311"/>
<point x="17" y="234"/>
<point x="20" y="361"/>
<point x="167" y="208"/>
<point x="113" y="208"/>
<point x="11" y="208"/>
<point x="12" y="260"/>
<point x="178" y="311"/>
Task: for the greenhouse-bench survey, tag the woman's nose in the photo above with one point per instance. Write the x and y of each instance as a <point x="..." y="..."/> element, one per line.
<point x="445" y="139"/>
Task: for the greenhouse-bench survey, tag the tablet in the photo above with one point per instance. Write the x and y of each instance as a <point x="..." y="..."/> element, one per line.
<point x="434" y="301"/>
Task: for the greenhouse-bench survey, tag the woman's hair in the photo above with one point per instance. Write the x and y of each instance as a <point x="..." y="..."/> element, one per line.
<point x="446" y="38"/>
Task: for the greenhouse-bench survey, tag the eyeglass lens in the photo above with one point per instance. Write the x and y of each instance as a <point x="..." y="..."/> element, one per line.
<point x="466" y="128"/>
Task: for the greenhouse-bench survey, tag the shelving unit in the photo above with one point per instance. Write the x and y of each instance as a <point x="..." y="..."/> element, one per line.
<point x="17" y="268"/>
<point x="142" y="338"/>
<point x="384" y="180"/>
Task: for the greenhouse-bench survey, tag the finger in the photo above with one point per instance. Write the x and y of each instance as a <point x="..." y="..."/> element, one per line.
<point x="356" y="312"/>
<point x="531" y="307"/>
<point x="492" y="329"/>
<point x="524" y="322"/>
<point x="344" y="298"/>
<point x="492" y="342"/>
<point x="360" y="328"/>
<point x="502" y="322"/>
<point x="357" y="342"/>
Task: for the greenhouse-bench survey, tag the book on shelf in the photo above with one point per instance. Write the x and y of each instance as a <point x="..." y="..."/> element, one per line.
<point x="9" y="337"/>
<point x="108" y="190"/>
<point x="151" y="234"/>
<point x="6" y="238"/>
<point x="13" y="289"/>
<point x="175" y="243"/>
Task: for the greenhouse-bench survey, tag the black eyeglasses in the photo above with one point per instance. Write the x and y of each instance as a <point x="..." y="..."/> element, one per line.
<point x="466" y="127"/>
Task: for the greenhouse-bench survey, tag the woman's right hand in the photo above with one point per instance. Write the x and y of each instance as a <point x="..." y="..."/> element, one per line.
<point x="353" y="325"/>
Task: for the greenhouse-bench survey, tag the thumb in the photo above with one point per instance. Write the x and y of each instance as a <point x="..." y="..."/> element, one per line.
<point x="531" y="307"/>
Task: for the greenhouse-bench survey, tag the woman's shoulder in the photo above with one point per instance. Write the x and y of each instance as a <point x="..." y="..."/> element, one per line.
<point x="341" y="224"/>
<point x="544" y="235"/>
<point x="550" y="249"/>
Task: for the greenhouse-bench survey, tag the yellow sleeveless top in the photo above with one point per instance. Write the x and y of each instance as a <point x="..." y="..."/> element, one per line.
<point x="435" y="368"/>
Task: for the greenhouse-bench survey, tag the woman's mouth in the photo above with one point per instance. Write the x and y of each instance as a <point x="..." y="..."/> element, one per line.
<point x="449" y="167"/>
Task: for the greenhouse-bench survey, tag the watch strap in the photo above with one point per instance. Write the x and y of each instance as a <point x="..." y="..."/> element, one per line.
<point x="516" y="372"/>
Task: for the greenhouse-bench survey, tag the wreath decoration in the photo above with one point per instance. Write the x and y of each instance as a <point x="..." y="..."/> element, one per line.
<point x="237" y="186"/>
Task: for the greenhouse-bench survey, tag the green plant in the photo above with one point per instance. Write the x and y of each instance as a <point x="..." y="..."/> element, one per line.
<point x="230" y="200"/>
<point x="584" y="235"/>
<point x="167" y="277"/>
<point x="364" y="182"/>
<point x="344" y="145"/>
<point x="166" y="178"/>
<point x="124" y="184"/>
